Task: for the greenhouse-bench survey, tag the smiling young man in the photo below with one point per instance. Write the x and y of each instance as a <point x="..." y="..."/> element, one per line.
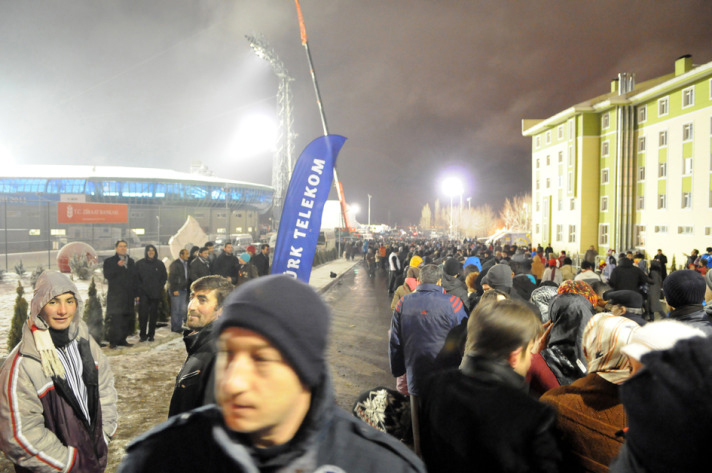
<point x="57" y="399"/>
<point x="196" y="380"/>
<point x="276" y="410"/>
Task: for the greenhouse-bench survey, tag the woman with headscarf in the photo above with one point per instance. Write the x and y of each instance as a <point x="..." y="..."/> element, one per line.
<point x="541" y="297"/>
<point x="562" y="361"/>
<point x="552" y="272"/>
<point x="589" y="410"/>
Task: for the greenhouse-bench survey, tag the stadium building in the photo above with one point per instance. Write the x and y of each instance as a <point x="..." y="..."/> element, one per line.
<point x="44" y="207"/>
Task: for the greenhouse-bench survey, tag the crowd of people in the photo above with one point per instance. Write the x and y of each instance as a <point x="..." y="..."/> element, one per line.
<point x="510" y="359"/>
<point x="557" y="368"/>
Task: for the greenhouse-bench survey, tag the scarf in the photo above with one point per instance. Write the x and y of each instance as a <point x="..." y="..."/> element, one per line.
<point x="604" y="336"/>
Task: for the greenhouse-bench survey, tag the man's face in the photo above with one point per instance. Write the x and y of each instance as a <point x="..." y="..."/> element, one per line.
<point x="183" y="255"/>
<point x="265" y="250"/>
<point x="202" y="309"/>
<point x="204" y="254"/>
<point x="59" y="312"/>
<point x="122" y="248"/>
<point x="660" y="252"/>
<point x="228" y="248"/>
<point x="211" y="249"/>
<point x="257" y="390"/>
<point x="151" y="253"/>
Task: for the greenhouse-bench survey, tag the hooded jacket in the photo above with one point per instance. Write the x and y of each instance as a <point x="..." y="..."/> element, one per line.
<point x="42" y="427"/>
<point x="152" y="275"/>
<point x="328" y="440"/>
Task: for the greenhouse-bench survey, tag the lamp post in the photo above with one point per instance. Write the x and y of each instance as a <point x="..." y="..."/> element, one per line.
<point x="369" y="212"/>
<point x="452" y="186"/>
<point x="469" y="207"/>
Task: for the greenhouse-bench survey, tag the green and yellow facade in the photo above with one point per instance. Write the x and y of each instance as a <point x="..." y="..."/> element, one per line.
<point x="630" y="169"/>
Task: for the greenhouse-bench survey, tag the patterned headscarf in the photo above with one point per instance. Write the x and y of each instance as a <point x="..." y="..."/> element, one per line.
<point x="541" y="297"/>
<point x="579" y="287"/>
<point x="604" y="336"/>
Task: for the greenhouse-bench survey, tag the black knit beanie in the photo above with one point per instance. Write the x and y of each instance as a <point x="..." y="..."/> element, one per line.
<point x="684" y="287"/>
<point x="452" y="267"/>
<point x="288" y="313"/>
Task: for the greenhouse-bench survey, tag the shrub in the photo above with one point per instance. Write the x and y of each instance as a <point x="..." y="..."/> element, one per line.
<point x="19" y="318"/>
<point x="93" y="314"/>
<point x="81" y="267"/>
<point x="36" y="274"/>
<point x="20" y="270"/>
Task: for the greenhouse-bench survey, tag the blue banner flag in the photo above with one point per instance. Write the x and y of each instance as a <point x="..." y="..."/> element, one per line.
<point x="303" y="205"/>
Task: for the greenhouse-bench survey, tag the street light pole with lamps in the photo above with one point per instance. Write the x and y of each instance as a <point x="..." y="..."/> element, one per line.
<point x="369" y="212"/>
<point x="452" y="186"/>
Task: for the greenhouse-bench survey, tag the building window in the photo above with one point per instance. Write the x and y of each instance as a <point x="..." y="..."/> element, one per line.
<point x="662" y="170"/>
<point x="548" y="137"/>
<point x="663" y="106"/>
<point x="662" y="201"/>
<point x="560" y="205"/>
<point x="661" y="229"/>
<point x="686" y="230"/>
<point x="559" y="232"/>
<point x="604" y="148"/>
<point x="571" y="156"/>
<point x="641" y="144"/>
<point x="641" y="202"/>
<point x="561" y="181"/>
<point x="537" y="184"/>
<point x="537" y="163"/>
<point x="603" y="234"/>
<point x="537" y="206"/>
<point x="687" y="132"/>
<point x="537" y="141"/>
<point x="708" y="231"/>
<point x="662" y="139"/>
<point x="572" y="204"/>
<point x="548" y="182"/>
<point x="639" y="235"/>
<point x="570" y="182"/>
<point x="571" y="129"/>
<point x="606" y="120"/>
<point x="688" y="97"/>
<point x="687" y="166"/>
<point x="641" y="173"/>
<point x="572" y="233"/>
<point x="548" y="160"/>
<point x="604" y="204"/>
<point x="561" y="157"/>
<point x="686" y="200"/>
<point x="560" y="132"/>
<point x="642" y="113"/>
<point x="604" y="176"/>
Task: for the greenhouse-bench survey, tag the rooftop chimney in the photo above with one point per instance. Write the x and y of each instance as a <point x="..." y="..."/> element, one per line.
<point x="614" y="85"/>
<point x="683" y="64"/>
<point x="626" y="82"/>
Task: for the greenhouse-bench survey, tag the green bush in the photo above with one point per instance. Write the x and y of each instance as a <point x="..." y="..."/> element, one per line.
<point x="20" y="270"/>
<point x="19" y="318"/>
<point x="35" y="275"/>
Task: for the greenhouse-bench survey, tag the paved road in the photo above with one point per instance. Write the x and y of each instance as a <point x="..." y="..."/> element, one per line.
<point x="358" y="349"/>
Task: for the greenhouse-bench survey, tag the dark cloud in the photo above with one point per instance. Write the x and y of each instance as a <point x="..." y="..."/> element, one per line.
<point x="419" y="87"/>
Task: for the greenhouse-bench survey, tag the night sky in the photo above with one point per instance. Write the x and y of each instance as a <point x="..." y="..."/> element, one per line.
<point x="422" y="89"/>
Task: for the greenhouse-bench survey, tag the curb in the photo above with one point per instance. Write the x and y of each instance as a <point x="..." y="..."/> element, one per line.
<point x="325" y="288"/>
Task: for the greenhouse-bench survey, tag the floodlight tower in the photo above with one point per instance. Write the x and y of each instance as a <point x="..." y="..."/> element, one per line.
<point x="282" y="161"/>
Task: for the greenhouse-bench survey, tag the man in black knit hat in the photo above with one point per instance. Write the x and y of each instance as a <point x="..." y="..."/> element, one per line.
<point x="685" y="294"/>
<point x="276" y="410"/>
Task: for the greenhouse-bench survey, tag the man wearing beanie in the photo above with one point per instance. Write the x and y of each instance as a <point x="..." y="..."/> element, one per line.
<point x="684" y="292"/>
<point x="57" y="397"/>
<point x="454" y="283"/>
<point x="275" y="407"/>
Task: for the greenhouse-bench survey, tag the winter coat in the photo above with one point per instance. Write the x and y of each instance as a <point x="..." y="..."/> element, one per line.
<point x="589" y="416"/>
<point x="227" y="266"/>
<point x="567" y="272"/>
<point x="654" y="304"/>
<point x="122" y="285"/>
<point x="406" y="288"/>
<point x="195" y="383"/>
<point x="547" y="276"/>
<point x="198" y="268"/>
<point x="456" y="287"/>
<point x="177" y="280"/>
<point x="420" y="324"/>
<point x="479" y="418"/>
<point x="42" y="427"/>
<point x="626" y="276"/>
<point x="329" y="439"/>
<point x="152" y="275"/>
<point x="261" y="262"/>
<point x="694" y="315"/>
<point x="537" y="267"/>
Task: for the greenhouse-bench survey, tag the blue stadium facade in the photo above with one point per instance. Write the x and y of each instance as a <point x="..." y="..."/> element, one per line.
<point x="158" y="200"/>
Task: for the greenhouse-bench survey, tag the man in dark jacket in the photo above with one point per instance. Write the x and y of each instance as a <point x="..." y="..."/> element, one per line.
<point x="151" y="283"/>
<point x="120" y="271"/>
<point x="276" y="410"/>
<point x="261" y="260"/>
<point x="479" y="417"/>
<point x="685" y="295"/>
<point x="178" y="286"/>
<point x="226" y="264"/>
<point x="200" y="266"/>
<point x="195" y="383"/>
<point x="454" y="283"/>
<point x="627" y="276"/>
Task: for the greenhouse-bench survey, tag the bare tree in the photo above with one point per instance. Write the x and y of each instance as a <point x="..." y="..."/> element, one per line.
<point x="478" y="221"/>
<point x="516" y="213"/>
<point x="426" y="217"/>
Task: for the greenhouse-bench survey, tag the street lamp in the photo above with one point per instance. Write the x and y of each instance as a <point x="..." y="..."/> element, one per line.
<point x="469" y="207"/>
<point x="452" y="186"/>
<point x="369" y="212"/>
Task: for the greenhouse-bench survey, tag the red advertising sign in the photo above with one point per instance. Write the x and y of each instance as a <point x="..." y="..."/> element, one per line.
<point x="80" y="212"/>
